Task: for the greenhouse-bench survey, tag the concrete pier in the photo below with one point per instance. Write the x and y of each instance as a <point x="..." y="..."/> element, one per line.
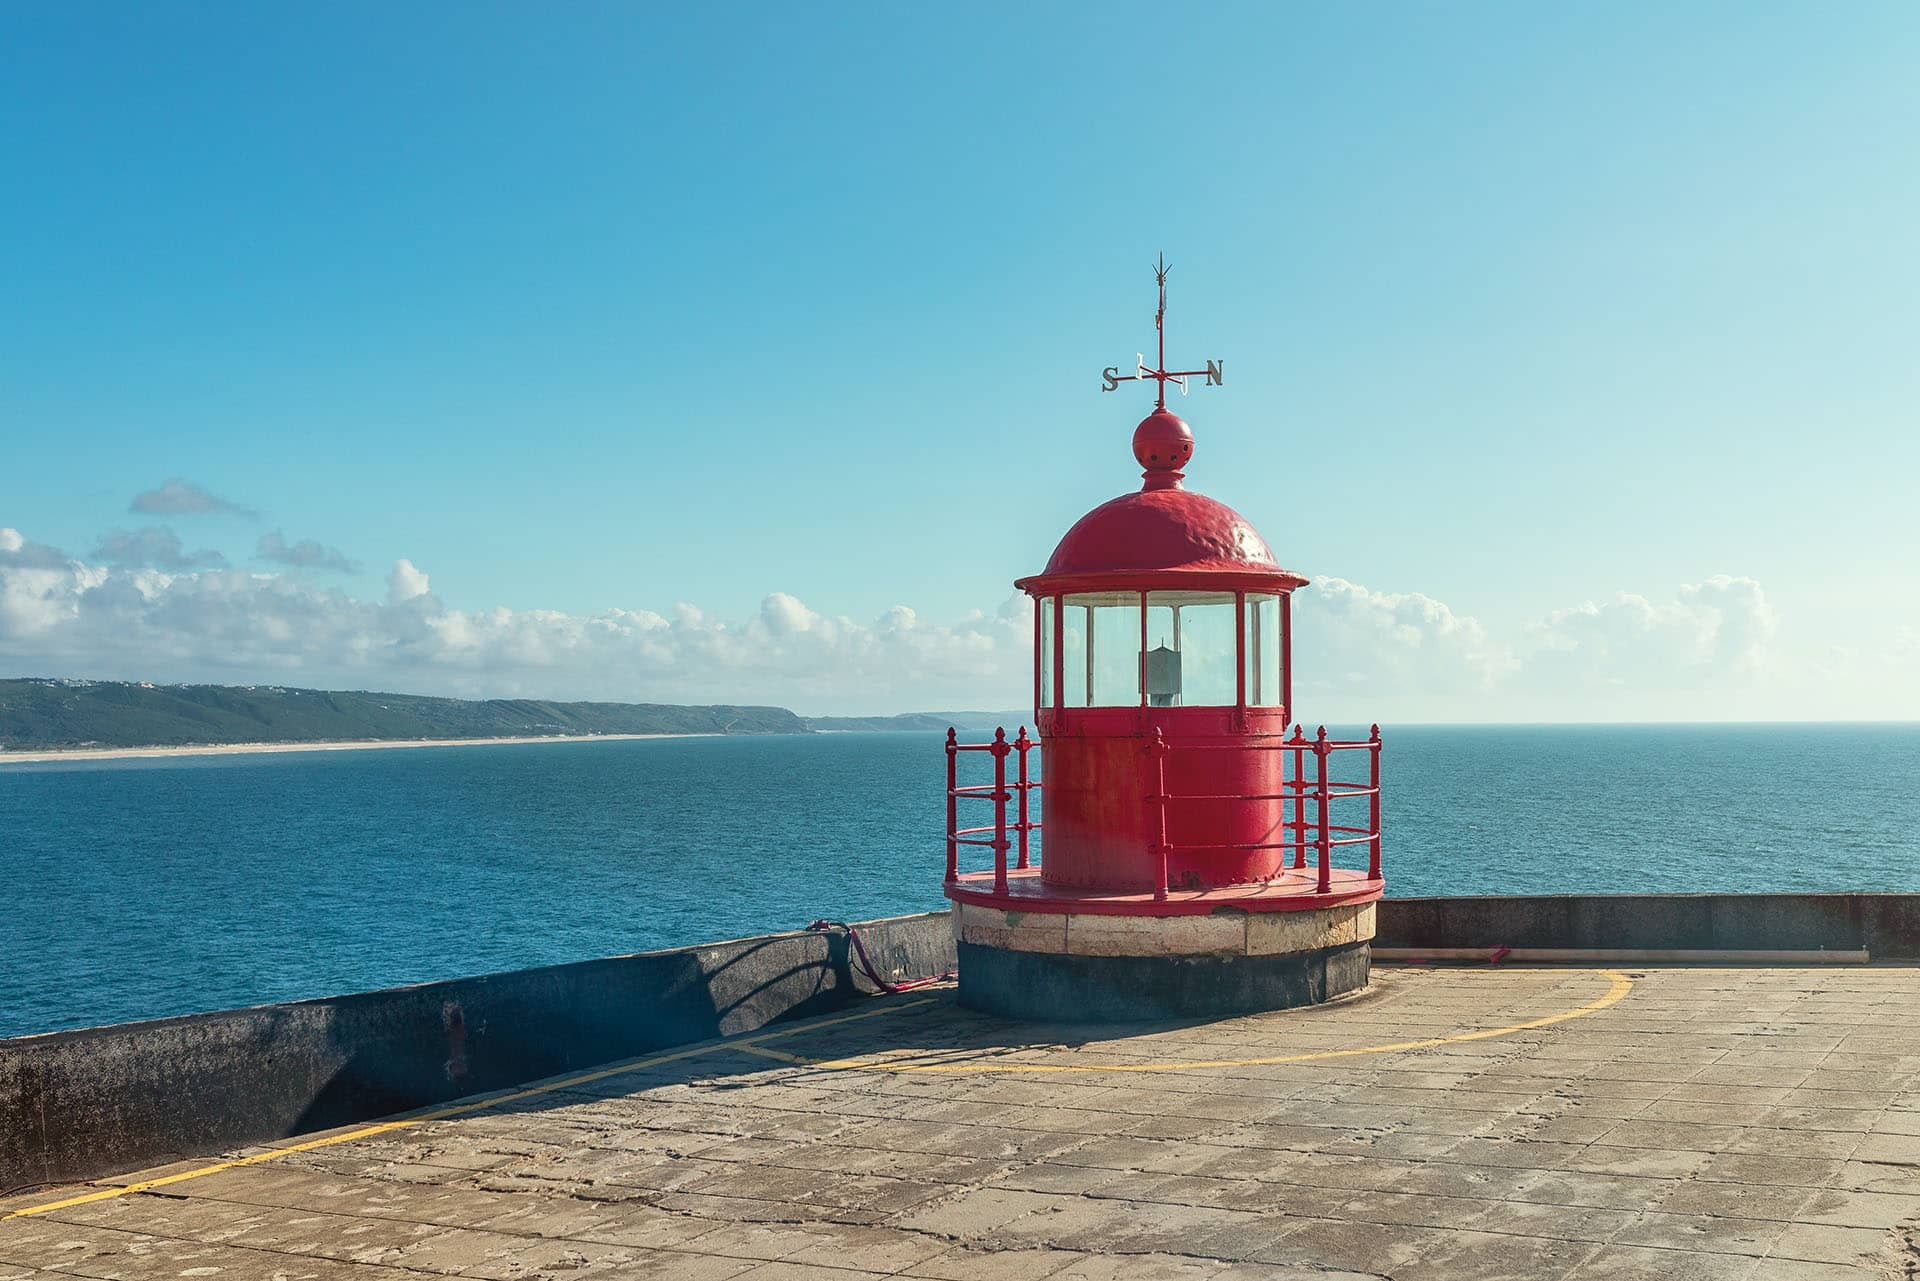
<point x="1591" y="1123"/>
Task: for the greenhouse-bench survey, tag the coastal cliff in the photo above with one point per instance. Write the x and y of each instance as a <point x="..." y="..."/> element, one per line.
<point x="39" y="714"/>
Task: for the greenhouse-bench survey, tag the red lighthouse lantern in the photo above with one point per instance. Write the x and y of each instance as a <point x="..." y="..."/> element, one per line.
<point x="1198" y="858"/>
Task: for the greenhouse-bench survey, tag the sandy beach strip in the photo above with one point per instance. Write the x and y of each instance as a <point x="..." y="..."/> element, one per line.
<point x="357" y="745"/>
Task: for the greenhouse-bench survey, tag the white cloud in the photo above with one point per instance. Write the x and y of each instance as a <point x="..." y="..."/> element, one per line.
<point x="1351" y="640"/>
<point x="405" y="583"/>
<point x="243" y="627"/>
<point x="1703" y="650"/>
<point x="1714" y="632"/>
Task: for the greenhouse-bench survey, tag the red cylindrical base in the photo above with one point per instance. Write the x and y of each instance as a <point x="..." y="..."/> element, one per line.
<point x="1227" y="819"/>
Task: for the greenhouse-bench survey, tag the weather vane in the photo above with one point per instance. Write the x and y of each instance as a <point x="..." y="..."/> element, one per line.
<point x="1111" y="376"/>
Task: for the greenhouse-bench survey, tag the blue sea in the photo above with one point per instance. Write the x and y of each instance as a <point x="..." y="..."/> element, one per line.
<point x="142" y="888"/>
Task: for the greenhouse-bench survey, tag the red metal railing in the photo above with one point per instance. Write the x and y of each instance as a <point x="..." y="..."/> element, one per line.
<point x="1321" y="789"/>
<point x="1000" y="791"/>
<point x="1319" y="792"/>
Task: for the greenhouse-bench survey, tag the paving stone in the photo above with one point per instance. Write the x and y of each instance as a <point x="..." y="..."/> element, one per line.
<point x="1877" y="1176"/>
<point x="1896" y="1122"/>
<point x="1786" y="1171"/>
<point x="1860" y="1209"/>
<point x="47" y="1243"/>
<point x="885" y="1250"/>
<point x="1483" y="1256"/>
<point x="1284" y="1272"/>
<point x="723" y="1209"/>
<point x="1800" y="1270"/>
<point x="1829" y="1144"/>
<point x="1645" y="1163"/>
<point x="124" y="1257"/>
<point x="1140" y="1267"/>
<point x="1894" y="1149"/>
<point x="1671" y="1136"/>
<point x="1822" y="1243"/>
<point x="633" y="1225"/>
<point x="806" y="1272"/>
<point x="1414" y="1210"/>
<point x="666" y="1265"/>
<point x="995" y="1265"/>
<point x="1643" y="1263"/>
<point x="1737" y="1200"/>
<point x="574" y="1258"/>
<point x="1556" y="1222"/>
<point x="1358" y="1247"/>
<point x="761" y="1240"/>
<point x="1703" y="1233"/>
<point x="1584" y="1189"/>
<point x="199" y="1218"/>
<point x="1097" y="1225"/>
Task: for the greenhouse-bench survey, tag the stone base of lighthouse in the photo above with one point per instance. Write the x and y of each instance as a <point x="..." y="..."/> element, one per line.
<point x="1105" y="968"/>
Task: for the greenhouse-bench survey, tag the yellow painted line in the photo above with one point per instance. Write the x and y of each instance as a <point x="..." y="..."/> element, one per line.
<point x="480" y="1104"/>
<point x="1618" y="986"/>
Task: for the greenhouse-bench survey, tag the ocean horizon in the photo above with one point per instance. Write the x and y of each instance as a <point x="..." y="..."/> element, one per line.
<point x="155" y="886"/>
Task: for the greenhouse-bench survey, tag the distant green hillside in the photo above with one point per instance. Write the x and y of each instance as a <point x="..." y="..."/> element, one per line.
<point x="905" y="721"/>
<point x="965" y="722"/>
<point x="54" y="713"/>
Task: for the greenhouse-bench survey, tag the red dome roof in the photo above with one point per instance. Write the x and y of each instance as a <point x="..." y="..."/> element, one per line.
<point x="1159" y="529"/>
<point x="1163" y="528"/>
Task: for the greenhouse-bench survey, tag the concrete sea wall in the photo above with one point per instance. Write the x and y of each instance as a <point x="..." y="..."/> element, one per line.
<point x="1885" y="926"/>
<point x="84" y="1104"/>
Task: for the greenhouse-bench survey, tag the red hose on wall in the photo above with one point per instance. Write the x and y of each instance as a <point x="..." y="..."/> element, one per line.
<point x="867" y="967"/>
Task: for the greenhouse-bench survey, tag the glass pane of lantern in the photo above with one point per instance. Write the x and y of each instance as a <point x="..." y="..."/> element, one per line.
<point x="1116" y="654"/>
<point x="1045" y="655"/>
<point x="1108" y="670"/>
<point x="1263" y="650"/>
<point x="1074" y="685"/>
<point x="1190" y="649"/>
<point x="1163" y="654"/>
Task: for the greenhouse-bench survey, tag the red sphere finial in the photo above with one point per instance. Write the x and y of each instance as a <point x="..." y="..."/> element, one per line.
<point x="1162" y="444"/>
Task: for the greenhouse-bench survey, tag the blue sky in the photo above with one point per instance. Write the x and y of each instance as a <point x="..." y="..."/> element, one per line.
<point x="1540" y="322"/>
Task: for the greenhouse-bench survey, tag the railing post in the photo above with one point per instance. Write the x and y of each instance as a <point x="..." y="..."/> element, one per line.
<point x="1000" y="750"/>
<point x="1023" y="745"/>
<point x="1159" y="750"/>
<point x="1373" y="750"/>
<point x="1299" y="798"/>
<point x="1325" y="843"/>
<point x="953" y="808"/>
